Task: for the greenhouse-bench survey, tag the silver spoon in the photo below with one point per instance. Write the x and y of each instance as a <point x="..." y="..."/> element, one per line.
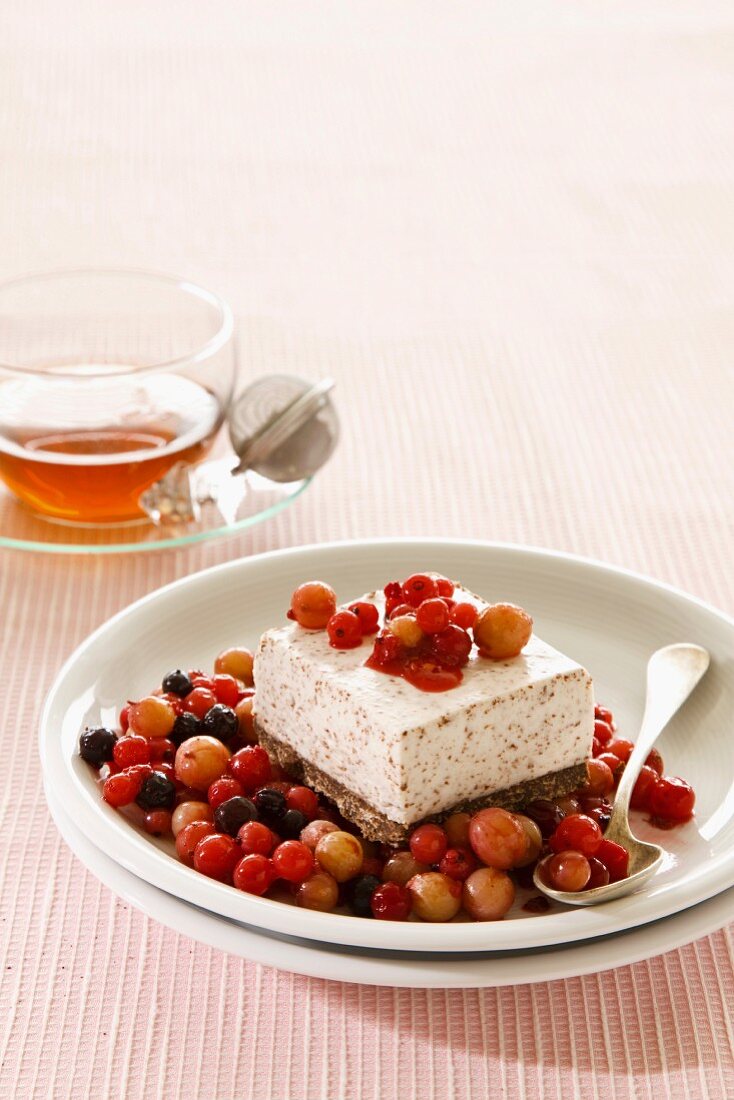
<point x="672" y="674"/>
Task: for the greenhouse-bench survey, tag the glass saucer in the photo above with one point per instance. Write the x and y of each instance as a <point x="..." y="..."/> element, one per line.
<point x="247" y="499"/>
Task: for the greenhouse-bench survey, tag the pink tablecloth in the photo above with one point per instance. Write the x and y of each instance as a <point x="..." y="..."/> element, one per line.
<point x="507" y="231"/>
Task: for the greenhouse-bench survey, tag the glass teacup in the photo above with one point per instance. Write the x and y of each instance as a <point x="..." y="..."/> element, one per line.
<point x="107" y="379"/>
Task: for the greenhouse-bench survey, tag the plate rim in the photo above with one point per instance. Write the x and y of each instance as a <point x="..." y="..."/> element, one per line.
<point x="257" y="910"/>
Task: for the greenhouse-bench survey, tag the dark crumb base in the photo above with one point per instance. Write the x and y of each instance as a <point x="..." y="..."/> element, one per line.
<point x="375" y="826"/>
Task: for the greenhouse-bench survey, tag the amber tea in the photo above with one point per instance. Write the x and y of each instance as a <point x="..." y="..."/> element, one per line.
<point x="85" y="452"/>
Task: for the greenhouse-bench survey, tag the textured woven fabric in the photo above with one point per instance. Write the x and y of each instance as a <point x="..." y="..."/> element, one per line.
<point x="507" y="230"/>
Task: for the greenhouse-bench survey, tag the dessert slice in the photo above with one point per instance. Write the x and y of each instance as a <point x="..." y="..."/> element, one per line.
<point x="391" y="755"/>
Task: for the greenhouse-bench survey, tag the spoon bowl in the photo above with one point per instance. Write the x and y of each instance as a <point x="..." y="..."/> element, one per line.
<point x="672" y="674"/>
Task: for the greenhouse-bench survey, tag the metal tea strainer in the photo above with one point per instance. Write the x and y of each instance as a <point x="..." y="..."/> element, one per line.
<point x="281" y="427"/>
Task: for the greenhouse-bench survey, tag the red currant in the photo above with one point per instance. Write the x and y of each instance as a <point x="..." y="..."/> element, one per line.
<point x="189" y="837"/>
<point x="614" y="763"/>
<point x="254" y="874"/>
<point x="599" y="874"/>
<point x="621" y="748"/>
<point x="162" y="749"/>
<point x="387" y="648"/>
<point x="446" y="587"/>
<point x="158" y="822"/>
<point x="367" y="614"/>
<point x="432" y="616"/>
<point x="600" y="778"/>
<point x="216" y="856"/>
<point x="646" y="780"/>
<point x="452" y="646"/>
<point x="226" y="690"/>
<point x="671" y="799"/>
<point x="223" y="788"/>
<point x="303" y="799"/>
<point x="603" y="732"/>
<point x="202" y="681"/>
<point x="458" y="863"/>
<point x="578" y="832"/>
<point x="344" y="630"/>
<point x="198" y="701"/>
<point x="428" y="843"/>
<point x="399" y="610"/>
<point x="125" y="718"/>
<point x="615" y="858"/>
<point x="464" y="615"/>
<point x="122" y="789"/>
<point x="131" y="750"/>
<point x="256" y="839"/>
<point x="604" y="714"/>
<point x="391" y="902"/>
<point x="597" y="808"/>
<point x="655" y="761"/>
<point x="251" y="766"/>
<point x="419" y="587"/>
<point x="293" y="861"/>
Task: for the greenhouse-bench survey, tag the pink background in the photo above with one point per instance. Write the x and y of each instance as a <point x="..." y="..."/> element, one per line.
<point x="508" y="234"/>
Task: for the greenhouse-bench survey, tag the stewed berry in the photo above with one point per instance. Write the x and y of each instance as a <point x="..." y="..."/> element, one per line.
<point x="177" y="683"/>
<point x="157" y="822"/>
<point x="131" y="750"/>
<point x="344" y="630"/>
<point x="428" y="843"/>
<point x="254" y="874"/>
<point x="97" y="745"/>
<point x="502" y="631"/>
<point x="305" y="800"/>
<point x="312" y="605"/>
<point x="291" y="824"/>
<point x="672" y="799"/>
<point x="157" y="792"/>
<point x="217" y="855"/>
<point x="186" y="725"/>
<point x="457" y="863"/>
<point x="255" y="838"/>
<point x="368" y="615"/>
<point x="230" y="816"/>
<point x="418" y="588"/>
<point x="251" y="766"/>
<point x="223" y="788"/>
<point x="293" y="861"/>
<point x="220" y="721"/>
<point x="271" y="804"/>
<point x="391" y="901"/>
<point x="546" y="815"/>
<point x="359" y="894"/>
<point x="451" y="647"/>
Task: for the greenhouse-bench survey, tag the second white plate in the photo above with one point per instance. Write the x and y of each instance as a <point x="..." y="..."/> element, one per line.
<point x="607" y="619"/>
<point x="345" y="964"/>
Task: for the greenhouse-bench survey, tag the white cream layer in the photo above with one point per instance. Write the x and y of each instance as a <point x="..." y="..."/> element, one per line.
<point x="410" y="753"/>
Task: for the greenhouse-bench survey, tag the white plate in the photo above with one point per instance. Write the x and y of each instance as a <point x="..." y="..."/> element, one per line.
<point x="608" y="619"/>
<point x="344" y="964"/>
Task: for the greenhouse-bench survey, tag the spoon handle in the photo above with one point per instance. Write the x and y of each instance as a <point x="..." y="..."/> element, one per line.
<point x="672" y="674"/>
